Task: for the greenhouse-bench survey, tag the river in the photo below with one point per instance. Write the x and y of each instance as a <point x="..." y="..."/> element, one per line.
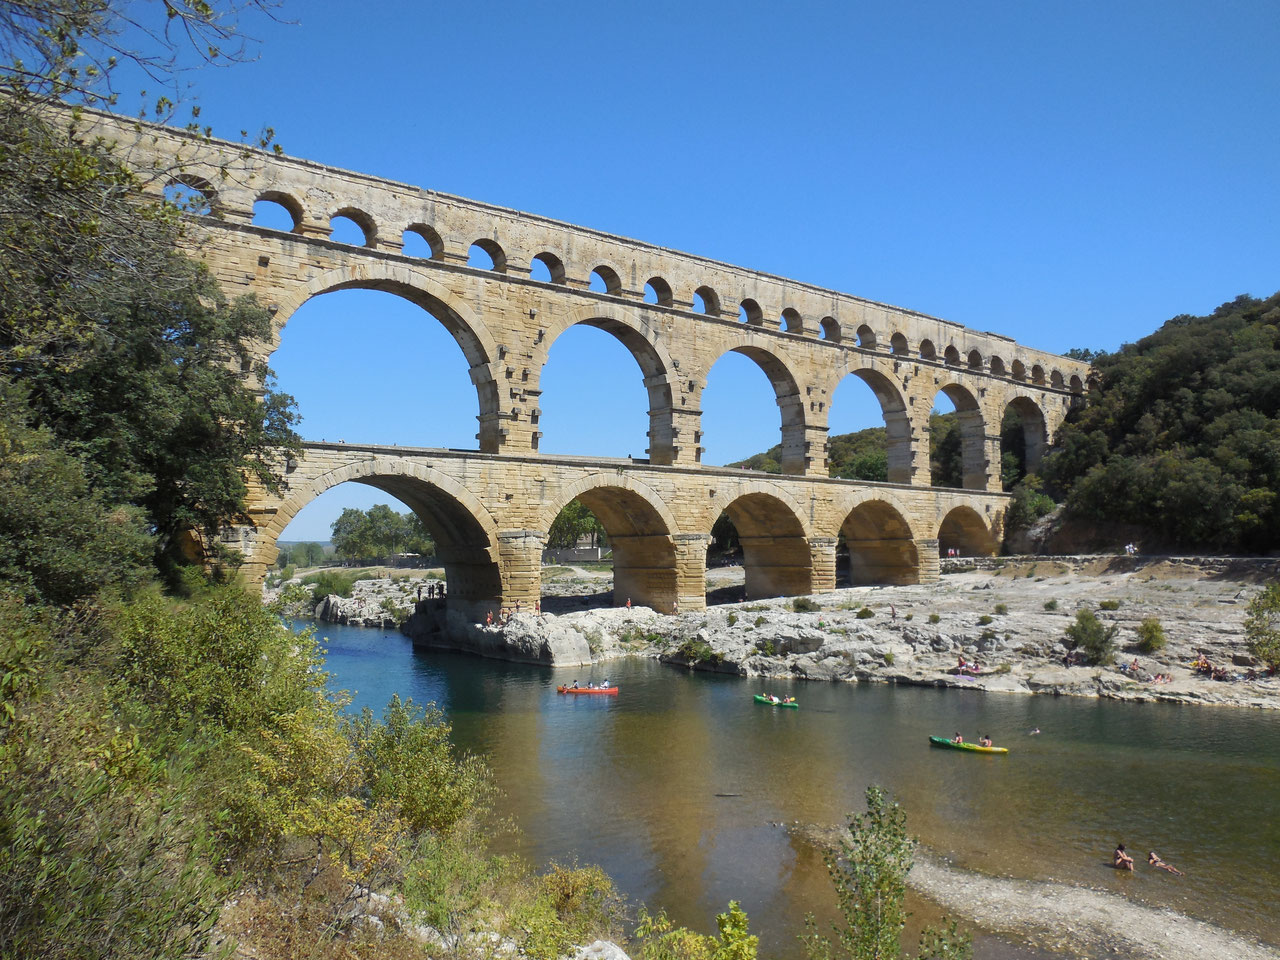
<point x="679" y="786"/>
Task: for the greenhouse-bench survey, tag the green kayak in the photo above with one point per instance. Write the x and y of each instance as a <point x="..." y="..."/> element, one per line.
<point x="776" y="703"/>
<point x="975" y="748"/>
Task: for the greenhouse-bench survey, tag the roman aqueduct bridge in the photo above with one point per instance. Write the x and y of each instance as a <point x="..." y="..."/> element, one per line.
<point x="677" y="314"/>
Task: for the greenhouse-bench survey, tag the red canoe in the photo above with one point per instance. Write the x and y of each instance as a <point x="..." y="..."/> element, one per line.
<point x="612" y="690"/>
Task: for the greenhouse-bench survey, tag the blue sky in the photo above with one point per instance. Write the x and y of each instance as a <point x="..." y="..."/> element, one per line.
<point x="1068" y="174"/>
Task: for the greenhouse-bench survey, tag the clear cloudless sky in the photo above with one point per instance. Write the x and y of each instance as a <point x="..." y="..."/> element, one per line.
<point x="1069" y="174"/>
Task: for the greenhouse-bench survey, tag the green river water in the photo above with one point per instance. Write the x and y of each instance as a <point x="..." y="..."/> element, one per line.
<point x="680" y="785"/>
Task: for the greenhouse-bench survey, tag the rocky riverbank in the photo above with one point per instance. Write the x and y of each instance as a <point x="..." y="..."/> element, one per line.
<point x="1010" y="617"/>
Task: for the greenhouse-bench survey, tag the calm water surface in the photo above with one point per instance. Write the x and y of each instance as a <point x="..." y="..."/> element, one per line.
<point x="678" y="785"/>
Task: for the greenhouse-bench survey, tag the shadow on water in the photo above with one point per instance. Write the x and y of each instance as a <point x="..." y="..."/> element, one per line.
<point x="635" y="782"/>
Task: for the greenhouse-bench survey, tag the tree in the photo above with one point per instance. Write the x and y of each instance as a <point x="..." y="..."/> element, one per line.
<point x="377" y="533"/>
<point x="1262" y="626"/>
<point x="869" y="872"/>
<point x="1088" y="634"/>
<point x="572" y="524"/>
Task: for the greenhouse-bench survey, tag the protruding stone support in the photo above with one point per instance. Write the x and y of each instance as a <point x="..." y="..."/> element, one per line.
<point x="686" y="426"/>
<point x="992" y="465"/>
<point x="930" y="566"/>
<point x="643" y="571"/>
<point x="822" y="553"/>
<point x="804" y="450"/>
<point x="520" y="566"/>
<point x="691" y="571"/>
<point x="776" y="566"/>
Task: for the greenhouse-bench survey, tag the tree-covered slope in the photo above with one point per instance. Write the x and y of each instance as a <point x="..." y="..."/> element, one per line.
<point x="1181" y="433"/>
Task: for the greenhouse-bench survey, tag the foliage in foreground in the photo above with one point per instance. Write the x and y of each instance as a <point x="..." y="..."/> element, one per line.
<point x="869" y="872"/>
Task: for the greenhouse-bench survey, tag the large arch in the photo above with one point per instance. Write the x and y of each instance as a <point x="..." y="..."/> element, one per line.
<point x="1034" y="434"/>
<point x="775" y="547"/>
<point x="972" y="427"/>
<point x="964" y="531"/>
<point x="786" y="392"/>
<point x="881" y="543"/>
<point x="639" y="526"/>
<point x="419" y="288"/>
<point x="641" y="338"/>
<point x="465" y="534"/>
<point x="893" y="407"/>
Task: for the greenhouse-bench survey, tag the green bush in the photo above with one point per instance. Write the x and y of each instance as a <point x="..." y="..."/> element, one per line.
<point x="866" y="613"/>
<point x="698" y="651"/>
<point x="1150" y="635"/>
<point x="805" y="605"/>
<point x="888" y="658"/>
<point x="1262" y="626"/>
<point x="1051" y="605"/>
<point x="934" y="618"/>
<point x="1001" y="609"/>
<point x="761" y="621"/>
<point x="984" y="620"/>
<point x="1109" y="605"/>
<point x="326" y="582"/>
<point x="1089" y="635"/>
<point x="767" y="648"/>
<point x="660" y="939"/>
<point x="731" y="619"/>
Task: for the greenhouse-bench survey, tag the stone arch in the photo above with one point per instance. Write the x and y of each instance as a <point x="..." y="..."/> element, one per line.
<point x="1035" y="431"/>
<point x="291" y="205"/>
<point x="786" y="391"/>
<point x="610" y="278"/>
<point x="893" y="407"/>
<point x="751" y="312"/>
<point x="928" y="351"/>
<point x="898" y="346"/>
<point x="198" y="185"/>
<point x="1037" y="374"/>
<point x="997" y="367"/>
<point x="975" y="360"/>
<point x="711" y="305"/>
<point x="495" y="253"/>
<point x="1056" y="381"/>
<point x="1019" y="370"/>
<point x="866" y="337"/>
<point x="554" y="265"/>
<point x="662" y="294"/>
<point x="774" y="537"/>
<point x="1076" y="384"/>
<point x="964" y="531"/>
<point x="643" y="341"/>
<point x="791" y="320"/>
<point x="880" y="539"/>
<point x="973" y="434"/>
<point x="430" y="236"/>
<point x="952" y="356"/>
<point x="368" y="226"/>
<point x="465" y="533"/>
<point x="640" y="528"/>
<point x="421" y="288"/>
<point x="830" y="328"/>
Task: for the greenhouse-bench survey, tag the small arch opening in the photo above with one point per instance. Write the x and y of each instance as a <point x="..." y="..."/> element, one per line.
<point x="657" y="290"/>
<point x="997" y="367"/>
<point x="707" y="301"/>
<point x="952" y="356"/>
<point x="866" y="337"/>
<point x="277" y="211"/>
<point x="1019" y="370"/>
<point x="791" y="320"/>
<point x="605" y="280"/>
<point x="352" y="227"/>
<point x="830" y="328"/>
<point x="423" y="242"/>
<point x="1056" y="381"/>
<point x="975" y="360"/>
<point x="1037" y="374"/>
<point x="749" y="312"/>
<point x="193" y="195"/>
<point x="485" y="254"/>
<point x="547" y="268"/>
<point x="1077" y="385"/>
<point x="898" y="346"/>
<point x="927" y="350"/>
